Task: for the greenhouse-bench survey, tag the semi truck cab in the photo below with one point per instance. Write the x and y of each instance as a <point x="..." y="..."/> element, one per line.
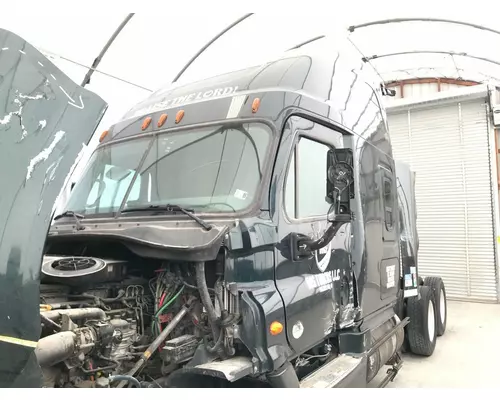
<point x="245" y="229"/>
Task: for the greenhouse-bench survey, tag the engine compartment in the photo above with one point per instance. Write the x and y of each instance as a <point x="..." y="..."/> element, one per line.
<point x="105" y="317"/>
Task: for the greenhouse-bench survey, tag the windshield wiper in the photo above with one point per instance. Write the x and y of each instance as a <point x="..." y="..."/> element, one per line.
<point x="172" y="208"/>
<point x="73" y="214"/>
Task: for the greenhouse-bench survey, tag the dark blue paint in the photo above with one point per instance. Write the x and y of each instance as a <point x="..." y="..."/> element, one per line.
<point x="31" y="90"/>
<point x="326" y="92"/>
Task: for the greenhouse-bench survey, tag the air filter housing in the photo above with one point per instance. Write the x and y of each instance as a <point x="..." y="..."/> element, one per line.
<point x="75" y="271"/>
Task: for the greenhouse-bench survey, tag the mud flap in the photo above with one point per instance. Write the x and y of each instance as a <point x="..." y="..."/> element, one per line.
<point x="45" y="120"/>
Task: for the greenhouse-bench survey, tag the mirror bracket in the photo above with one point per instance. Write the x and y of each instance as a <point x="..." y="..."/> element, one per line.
<point x="303" y="246"/>
<point x="299" y="250"/>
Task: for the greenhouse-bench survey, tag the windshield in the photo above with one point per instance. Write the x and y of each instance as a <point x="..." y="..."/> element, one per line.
<point x="212" y="169"/>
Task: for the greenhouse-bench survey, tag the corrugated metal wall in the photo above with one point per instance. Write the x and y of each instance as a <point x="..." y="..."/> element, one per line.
<point x="448" y="148"/>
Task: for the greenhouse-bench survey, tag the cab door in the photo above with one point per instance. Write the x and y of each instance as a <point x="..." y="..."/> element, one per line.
<point x="315" y="290"/>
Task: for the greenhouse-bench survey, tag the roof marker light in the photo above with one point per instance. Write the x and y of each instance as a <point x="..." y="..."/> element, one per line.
<point x="179" y="116"/>
<point x="146" y="123"/>
<point x="255" y="105"/>
<point x="162" y="120"/>
<point x="103" y="135"/>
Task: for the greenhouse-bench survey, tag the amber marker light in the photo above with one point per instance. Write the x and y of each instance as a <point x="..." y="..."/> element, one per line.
<point x="146" y="123"/>
<point x="179" y="116"/>
<point x="255" y="105"/>
<point x="276" y="328"/>
<point x="162" y="120"/>
<point x="103" y="135"/>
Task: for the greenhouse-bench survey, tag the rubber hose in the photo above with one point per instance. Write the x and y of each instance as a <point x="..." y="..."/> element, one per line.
<point x="209" y="307"/>
<point x="218" y="293"/>
<point x="205" y="298"/>
<point x="228" y="349"/>
<point x="221" y="346"/>
<point x="127" y="378"/>
<point x="228" y="321"/>
<point x="224" y="315"/>
<point x="217" y="346"/>
<point x="188" y="285"/>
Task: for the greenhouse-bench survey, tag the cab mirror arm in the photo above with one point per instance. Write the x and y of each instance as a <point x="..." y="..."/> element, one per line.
<point x="314" y="245"/>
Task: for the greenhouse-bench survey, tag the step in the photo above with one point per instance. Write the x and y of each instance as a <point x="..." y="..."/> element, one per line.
<point x="336" y="372"/>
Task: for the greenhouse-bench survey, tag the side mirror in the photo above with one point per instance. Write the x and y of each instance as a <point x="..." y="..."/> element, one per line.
<point x="339" y="182"/>
<point x="339" y="192"/>
<point x="387" y="91"/>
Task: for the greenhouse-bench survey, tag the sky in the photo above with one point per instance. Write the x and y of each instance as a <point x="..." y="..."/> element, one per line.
<point x="157" y="41"/>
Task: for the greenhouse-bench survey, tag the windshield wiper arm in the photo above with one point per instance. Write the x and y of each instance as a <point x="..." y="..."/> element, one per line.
<point x="73" y="214"/>
<point x="172" y="208"/>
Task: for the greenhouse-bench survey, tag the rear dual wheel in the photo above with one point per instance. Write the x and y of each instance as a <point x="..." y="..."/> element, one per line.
<point x="422" y="329"/>
<point x="439" y="292"/>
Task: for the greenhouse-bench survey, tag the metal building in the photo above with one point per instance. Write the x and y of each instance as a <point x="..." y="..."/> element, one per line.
<point x="444" y="121"/>
<point x="445" y="130"/>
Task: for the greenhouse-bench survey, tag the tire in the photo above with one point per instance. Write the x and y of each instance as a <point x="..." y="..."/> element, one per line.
<point x="400" y="310"/>
<point x="421" y="335"/>
<point x="437" y="286"/>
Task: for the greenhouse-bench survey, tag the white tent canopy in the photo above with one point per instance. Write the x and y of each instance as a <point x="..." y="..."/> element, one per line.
<point x="422" y="47"/>
<point x="148" y="54"/>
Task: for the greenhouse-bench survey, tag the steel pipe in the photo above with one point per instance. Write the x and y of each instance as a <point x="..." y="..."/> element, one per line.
<point x="75" y="313"/>
<point x="449" y="53"/>
<point x="352" y="28"/>
<point x="208" y="44"/>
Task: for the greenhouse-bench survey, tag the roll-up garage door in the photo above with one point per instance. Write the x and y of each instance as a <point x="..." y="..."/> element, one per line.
<point x="448" y="148"/>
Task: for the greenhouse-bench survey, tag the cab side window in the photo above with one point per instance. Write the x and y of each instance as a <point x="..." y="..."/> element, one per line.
<point x="305" y="186"/>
